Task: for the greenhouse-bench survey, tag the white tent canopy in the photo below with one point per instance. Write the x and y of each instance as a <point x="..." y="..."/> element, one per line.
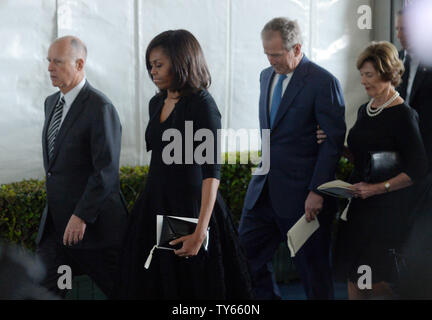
<point x="117" y="33"/>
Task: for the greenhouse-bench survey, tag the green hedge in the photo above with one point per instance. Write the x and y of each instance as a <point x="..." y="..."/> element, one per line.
<point x="21" y="203"/>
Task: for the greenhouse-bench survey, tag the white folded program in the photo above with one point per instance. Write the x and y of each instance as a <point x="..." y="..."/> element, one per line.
<point x="300" y="232"/>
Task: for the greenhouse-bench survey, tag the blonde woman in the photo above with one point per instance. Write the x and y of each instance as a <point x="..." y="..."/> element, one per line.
<point x="376" y="216"/>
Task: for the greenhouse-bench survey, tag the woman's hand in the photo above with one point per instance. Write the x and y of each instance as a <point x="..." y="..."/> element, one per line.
<point x="365" y="190"/>
<point x="191" y="244"/>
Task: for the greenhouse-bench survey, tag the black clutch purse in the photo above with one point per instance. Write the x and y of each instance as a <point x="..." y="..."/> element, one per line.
<point x="381" y="166"/>
<point x="169" y="228"/>
<point x="173" y="228"/>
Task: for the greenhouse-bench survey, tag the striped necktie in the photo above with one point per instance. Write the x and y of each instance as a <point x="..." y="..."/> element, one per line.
<point x="54" y="126"/>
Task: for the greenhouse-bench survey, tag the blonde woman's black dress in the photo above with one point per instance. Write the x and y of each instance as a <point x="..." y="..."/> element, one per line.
<point x="379" y="223"/>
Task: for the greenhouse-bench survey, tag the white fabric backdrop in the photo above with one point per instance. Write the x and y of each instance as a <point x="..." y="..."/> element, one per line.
<point x="117" y="33"/>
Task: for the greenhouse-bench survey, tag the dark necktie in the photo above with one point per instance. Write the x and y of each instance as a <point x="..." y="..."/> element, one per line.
<point x="276" y="98"/>
<point x="54" y="126"/>
<point x="405" y="77"/>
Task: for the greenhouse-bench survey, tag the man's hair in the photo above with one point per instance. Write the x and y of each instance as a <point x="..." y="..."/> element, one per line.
<point x="402" y="11"/>
<point x="385" y="59"/>
<point x="289" y="31"/>
<point x="188" y="64"/>
<point x="79" y="47"/>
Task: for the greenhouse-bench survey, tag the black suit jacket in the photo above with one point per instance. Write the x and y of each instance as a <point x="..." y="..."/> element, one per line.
<point x="82" y="178"/>
<point x="420" y="101"/>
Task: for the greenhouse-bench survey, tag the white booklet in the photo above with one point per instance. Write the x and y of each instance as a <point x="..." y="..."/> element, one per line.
<point x="337" y="188"/>
<point x="300" y="233"/>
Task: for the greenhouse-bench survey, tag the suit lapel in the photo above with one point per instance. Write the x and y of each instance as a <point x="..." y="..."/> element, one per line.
<point x="50" y="105"/>
<point x="264" y="105"/>
<point x="73" y="113"/>
<point x="403" y="86"/>
<point x="418" y="79"/>
<point x="295" y="85"/>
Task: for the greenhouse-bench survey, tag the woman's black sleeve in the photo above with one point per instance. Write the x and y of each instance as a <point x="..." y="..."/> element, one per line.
<point x="208" y="117"/>
<point x="411" y="145"/>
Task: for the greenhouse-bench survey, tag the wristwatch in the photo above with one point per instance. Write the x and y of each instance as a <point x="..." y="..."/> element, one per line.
<point x="387" y="186"/>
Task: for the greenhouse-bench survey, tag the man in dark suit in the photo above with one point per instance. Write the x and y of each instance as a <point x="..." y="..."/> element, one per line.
<point x="416" y="86"/>
<point x="85" y="214"/>
<point x="415" y="89"/>
<point x="296" y="96"/>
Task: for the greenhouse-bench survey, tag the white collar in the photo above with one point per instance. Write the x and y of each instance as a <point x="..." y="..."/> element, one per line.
<point x="413" y="56"/>
<point x="73" y="93"/>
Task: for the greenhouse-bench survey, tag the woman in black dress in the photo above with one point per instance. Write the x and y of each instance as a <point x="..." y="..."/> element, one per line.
<point x="377" y="215"/>
<point x="183" y="180"/>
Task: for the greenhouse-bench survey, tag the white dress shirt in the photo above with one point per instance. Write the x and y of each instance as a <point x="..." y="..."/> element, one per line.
<point x="70" y="98"/>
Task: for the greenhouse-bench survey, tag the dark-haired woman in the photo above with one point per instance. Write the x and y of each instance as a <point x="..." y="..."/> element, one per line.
<point x="179" y="184"/>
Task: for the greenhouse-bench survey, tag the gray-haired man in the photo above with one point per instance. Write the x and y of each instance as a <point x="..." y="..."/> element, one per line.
<point x="296" y="96"/>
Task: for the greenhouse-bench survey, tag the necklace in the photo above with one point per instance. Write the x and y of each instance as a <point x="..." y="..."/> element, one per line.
<point x="374" y="112"/>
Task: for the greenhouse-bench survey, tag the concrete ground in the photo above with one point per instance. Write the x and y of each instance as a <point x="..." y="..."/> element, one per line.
<point x="294" y="291"/>
<point x="84" y="289"/>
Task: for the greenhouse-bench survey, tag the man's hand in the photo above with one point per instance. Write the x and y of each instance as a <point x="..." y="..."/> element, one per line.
<point x="74" y="231"/>
<point x="313" y="205"/>
<point x="320" y="134"/>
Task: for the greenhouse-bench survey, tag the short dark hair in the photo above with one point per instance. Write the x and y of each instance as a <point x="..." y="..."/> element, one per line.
<point x="402" y="11"/>
<point x="188" y="64"/>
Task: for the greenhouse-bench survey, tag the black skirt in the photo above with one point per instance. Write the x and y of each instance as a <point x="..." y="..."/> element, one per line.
<point x="221" y="272"/>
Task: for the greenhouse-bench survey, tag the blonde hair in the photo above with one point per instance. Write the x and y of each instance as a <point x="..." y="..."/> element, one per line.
<point x="385" y="59"/>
